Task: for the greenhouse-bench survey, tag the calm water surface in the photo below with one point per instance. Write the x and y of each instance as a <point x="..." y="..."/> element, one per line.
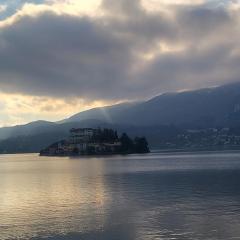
<point x="142" y="197"/>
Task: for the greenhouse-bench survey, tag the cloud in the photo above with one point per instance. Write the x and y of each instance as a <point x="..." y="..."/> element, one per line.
<point x="121" y="51"/>
<point x="2" y="8"/>
<point x="17" y="109"/>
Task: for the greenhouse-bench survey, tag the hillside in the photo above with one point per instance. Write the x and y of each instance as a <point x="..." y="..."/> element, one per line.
<point x="159" y="119"/>
<point x="107" y="114"/>
<point x="26" y="129"/>
<point x="205" y="108"/>
<point x="219" y="106"/>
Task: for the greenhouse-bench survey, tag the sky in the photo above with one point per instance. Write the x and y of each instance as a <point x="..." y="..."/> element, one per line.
<point x="60" y="57"/>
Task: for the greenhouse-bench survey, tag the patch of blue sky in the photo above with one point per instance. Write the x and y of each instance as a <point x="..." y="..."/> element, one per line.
<point x="220" y="3"/>
<point x="9" y="7"/>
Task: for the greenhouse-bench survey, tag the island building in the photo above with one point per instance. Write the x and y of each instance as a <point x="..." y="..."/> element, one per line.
<point x="80" y="138"/>
<point x="90" y="141"/>
<point x="83" y="141"/>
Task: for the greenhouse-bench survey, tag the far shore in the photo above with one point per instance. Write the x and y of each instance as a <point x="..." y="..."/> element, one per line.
<point x="195" y="150"/>
<point x="154" y="150"/>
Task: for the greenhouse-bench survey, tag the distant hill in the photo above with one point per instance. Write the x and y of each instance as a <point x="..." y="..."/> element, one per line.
<point x="219" y="106"/>
<point x="37" y="135"/>
<point x="107" y="114"/>
<point x="158" y="118"/>
<point x="27" y="129"/>
<point x="40" y="127"/>
<point x="211" y="107"/>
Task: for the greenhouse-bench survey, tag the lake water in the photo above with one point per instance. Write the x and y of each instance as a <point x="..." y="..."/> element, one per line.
<point x="142" y="197"/>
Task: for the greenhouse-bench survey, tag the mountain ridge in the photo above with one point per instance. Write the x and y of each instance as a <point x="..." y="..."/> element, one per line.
<point x="196" y="109"/>
<point x="205" y="107"/>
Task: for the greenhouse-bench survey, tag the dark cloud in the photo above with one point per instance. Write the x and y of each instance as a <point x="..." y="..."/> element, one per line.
<point x="60" y="56"/>
<point x="107" y="57"/>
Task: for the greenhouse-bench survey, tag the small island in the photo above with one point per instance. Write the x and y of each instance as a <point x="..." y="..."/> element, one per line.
<point x="90" y="141"/>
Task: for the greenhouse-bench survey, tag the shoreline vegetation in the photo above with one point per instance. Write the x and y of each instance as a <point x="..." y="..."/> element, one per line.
<point x="89" y="141"/>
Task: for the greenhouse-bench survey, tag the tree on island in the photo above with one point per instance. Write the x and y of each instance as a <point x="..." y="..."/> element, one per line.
<point x="139" y="145"/>
<point x="127" y="145"/>
<point x="105" y="135"/>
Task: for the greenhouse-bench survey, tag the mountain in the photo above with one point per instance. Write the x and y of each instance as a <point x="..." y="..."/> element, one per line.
<point x="159" y="119"/>
<point x="107" y="114"/>
<point x="218" y="106"/>
<point x="40" y="127"/>
<point x="35" y="136"/>
<point x="27" y="129"/>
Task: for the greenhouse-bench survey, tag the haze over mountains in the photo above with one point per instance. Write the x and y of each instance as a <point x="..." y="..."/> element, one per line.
<point x="161" y="115"/>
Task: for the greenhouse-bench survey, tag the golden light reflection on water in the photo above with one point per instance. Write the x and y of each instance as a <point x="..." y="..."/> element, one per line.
<point x="64" y="194"/>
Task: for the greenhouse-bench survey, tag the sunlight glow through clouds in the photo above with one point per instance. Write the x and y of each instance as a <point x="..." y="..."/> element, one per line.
<point x="146" y="58"/>
<point x="156" y="5"/>
<point x="92" y="52"/>
<point x="89" y="7"/>
<point x="17" y="109"/>
<point x="59" y="7"/>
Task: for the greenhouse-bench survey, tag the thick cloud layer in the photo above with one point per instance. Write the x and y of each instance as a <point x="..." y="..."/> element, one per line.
<point x="126" y="52"/>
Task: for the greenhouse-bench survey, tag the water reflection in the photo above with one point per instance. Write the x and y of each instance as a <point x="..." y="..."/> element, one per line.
<point x="123" y="197"/>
